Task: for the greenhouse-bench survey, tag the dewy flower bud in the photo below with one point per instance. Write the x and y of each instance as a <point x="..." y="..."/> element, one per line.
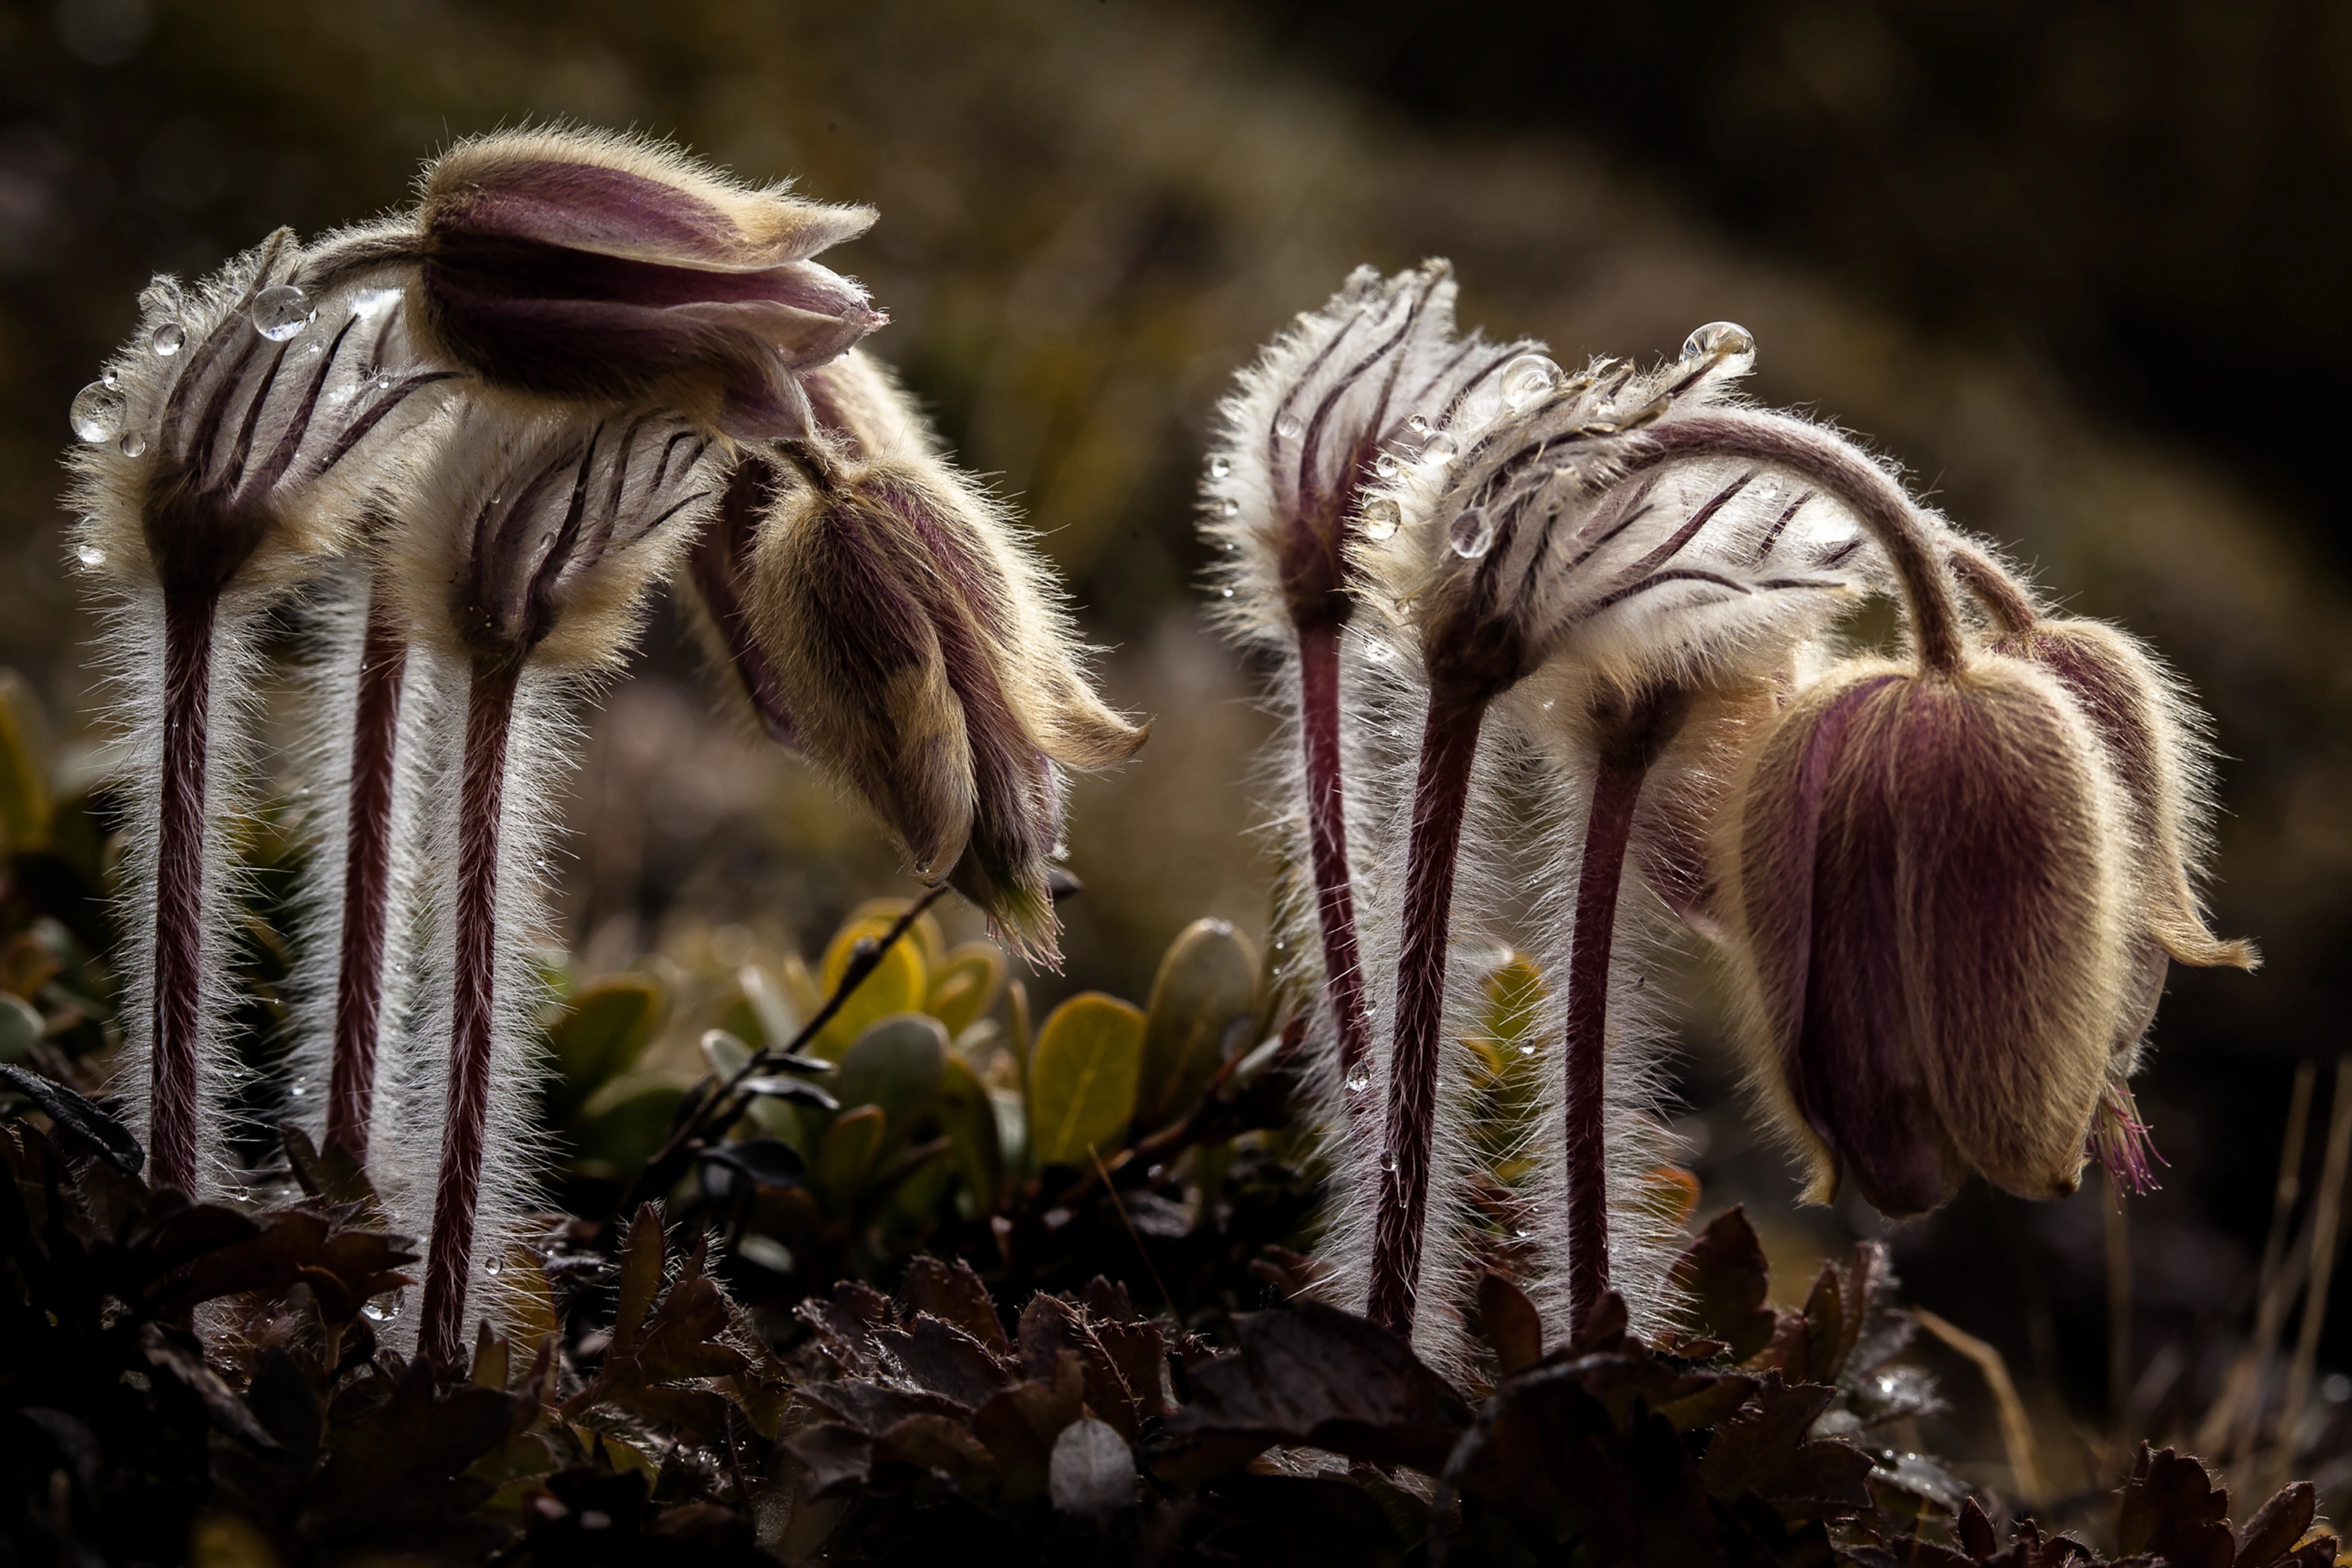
<point x="1928" y="902"/>
<point x="603" y="268"/>
<point x="927" y="665"/>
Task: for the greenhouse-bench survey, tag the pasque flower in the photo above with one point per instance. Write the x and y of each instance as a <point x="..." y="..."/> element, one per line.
<point x="525" y="559"/>
<point x="921" y="650"/>
<point x="224" y="454"/>
<point x="1331" y="408"/>
<point x="1528" y="546"/>
<point x="601" y="269"/>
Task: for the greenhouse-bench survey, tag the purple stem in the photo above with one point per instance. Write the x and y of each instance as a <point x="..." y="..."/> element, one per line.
<point x="359" y="981"/>
<point x="179" y="884"/>
<point x="1327" y="837"/>
<point x="1449" y="742"/>
<point x="489" y="715"/>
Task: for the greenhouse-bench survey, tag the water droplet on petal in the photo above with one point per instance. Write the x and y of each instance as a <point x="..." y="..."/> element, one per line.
<point x="1526" y="1051"/>
<point x="280" y="311"/>
<point x="132" y="445"/>
<point x="382" y="1309"/>
<point x="1219" y="468"/>
<point x="1381" y="516"/>
<point x="1387" y="1164"/>
<point x="1418" y="424"/>
<point x="98" y="411"/>
<point x="1438" y="445"/>
<point x="300" y="1088"/>
<point x="1472" y="533"/>
<point x="1287" y="427"/>
<point x="1387" y="466"/>
<point x="1231" y="508"/>
<point x="1359" y="1079"/>
<point x="1527" y="380"/>
<point x="493" y="1267"/>
<point x="91" y="556"/>
<point x="1729" y="344"/>
<point x="1229" y="593"/>
<point x="168" y="339"/>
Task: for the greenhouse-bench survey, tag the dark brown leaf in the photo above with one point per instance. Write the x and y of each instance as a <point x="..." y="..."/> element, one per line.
<point x="1725" y="1278"/>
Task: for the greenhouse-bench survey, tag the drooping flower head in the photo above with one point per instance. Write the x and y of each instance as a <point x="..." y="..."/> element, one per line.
<point x="606" y="269"/>
<point x="924" y="656"/>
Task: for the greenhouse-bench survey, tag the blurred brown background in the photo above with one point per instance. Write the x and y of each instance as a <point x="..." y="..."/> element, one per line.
<point x="2078" y="263"/>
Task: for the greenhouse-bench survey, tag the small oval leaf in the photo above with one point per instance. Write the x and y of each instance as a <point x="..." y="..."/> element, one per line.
<point x="898" y="984"/>
<point x="846" y="1151"/>
<point x="1207" y="984"/>
<point x="607" y="1026"/>
<point x="1082" y="1079"/>
<point x="895" y="1065"/>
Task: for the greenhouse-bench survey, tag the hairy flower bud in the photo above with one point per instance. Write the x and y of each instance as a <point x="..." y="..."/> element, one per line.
<point x="596" y="267"/>
<point x="1926" y="896"/>
<point x="1330" y="410"/>
<point x="929" y="666"/>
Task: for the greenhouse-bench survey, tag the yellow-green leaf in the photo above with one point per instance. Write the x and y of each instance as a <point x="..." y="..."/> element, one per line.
<point x="966" y="985"/>
<point x="846" y="1153"/>
<point x="1204" y="1004"/>
<point x="882" y="913"/>
<point x="898" y="985"/>
<point x="1082" y="1079"/>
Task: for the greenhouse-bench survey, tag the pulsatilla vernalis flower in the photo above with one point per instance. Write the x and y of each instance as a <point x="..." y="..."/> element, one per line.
<point x="929" y="667"/>
<point x="1929" y="900"/>
<point x="607" y="269"/>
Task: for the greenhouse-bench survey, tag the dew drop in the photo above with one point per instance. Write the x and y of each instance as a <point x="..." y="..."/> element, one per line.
<point x="280" y="311"/>
<point x="1219" y="468"/>
<point x="1387" y="466"/>
<point x="382" y="1309"/>
<point x="98" y="411"/>
<point x="168" y="339"/>
<point x="1527" y="380"/>
<point x="1526" y="1051"/>
<point x="1387" y="1164"/>
<point x="1229" y="593"/>
<point x="1359" y="1079"/>
<point x="300" y="1089"/>
<point x="1231" y="508"/>
<point x="91" y="556"/>
<point x="1381" y="516"/>
<point x="1287" y="427"/>
<point x="1418" y="424"/>
<point x="131" y="445"/>
<point x="1378" y="652"/>
<point x="1438" y="445"/>
<point x="493" y="1267"/>
<point x="1729" y="344"/>
<point x="1472" y="535"/>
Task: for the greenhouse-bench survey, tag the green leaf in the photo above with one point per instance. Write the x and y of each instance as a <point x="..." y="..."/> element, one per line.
<point x="607" y="1027"/>
<point x="898" y="985"/>
<point x="1082" y="1079"/>
<point x="623" y="1135"/>
<point x="969" y="1118"/>
<point x="1202" y="1005"/>
<point x="966" y="988"/>
<point x="895" y="1065"/>
<point x="20" y="1027"/>
<point x="846" y="1153"/>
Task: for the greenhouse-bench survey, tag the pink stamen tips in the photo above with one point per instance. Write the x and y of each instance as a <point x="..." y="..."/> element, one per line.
<point x="2120" y="1141"/>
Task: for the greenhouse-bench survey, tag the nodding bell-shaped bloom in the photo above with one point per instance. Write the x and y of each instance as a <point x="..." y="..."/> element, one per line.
<point x="223" y="457"/>
<point x="925" y="657"/>
<point x="607" y="269"/>
<point x="1929" y="891"/>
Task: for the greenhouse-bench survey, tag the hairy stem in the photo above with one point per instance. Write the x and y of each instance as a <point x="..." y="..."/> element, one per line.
<point x="1914" y="546"/>
<point x="1327" y="837"/>
<point x="2003" y="597"/>
<point x="179" y="885"/>
<point x="489" y="715"/>
<point x="1449" y="742"/>
<point x="1629" y="747"/>
<point x="367" y="861"/>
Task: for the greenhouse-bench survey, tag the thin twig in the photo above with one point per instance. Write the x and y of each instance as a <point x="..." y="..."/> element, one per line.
<point x="2327" y="1209"/>
<point x="2016" y="1431"/>
<point x="2232" y="1419"/>
<point x="1133" y="1234"/>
